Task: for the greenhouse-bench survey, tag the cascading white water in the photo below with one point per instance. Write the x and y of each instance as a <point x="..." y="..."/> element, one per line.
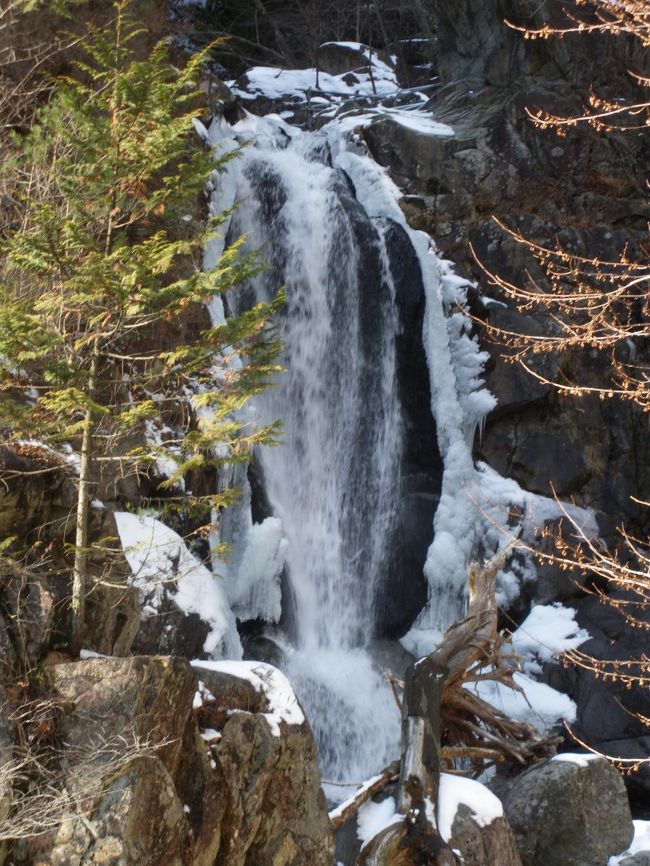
<point x="333" y="481"/>
<point x="321" y="210"/>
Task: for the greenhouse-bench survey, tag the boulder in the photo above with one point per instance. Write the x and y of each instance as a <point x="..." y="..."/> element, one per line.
<point x="570" y="811"/>
<point x="480" y="845"/>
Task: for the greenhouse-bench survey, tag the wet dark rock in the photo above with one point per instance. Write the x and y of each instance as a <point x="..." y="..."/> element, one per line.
<point x="600" y="716"/>
<point x="401" y="588"/>
<point x="391" y="656"/>
<point x="606" y="709"/>
<point x="565" y="813"/>
<point x="638" y="782"/>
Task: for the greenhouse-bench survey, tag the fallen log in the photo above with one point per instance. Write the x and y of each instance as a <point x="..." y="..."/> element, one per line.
<point x="342" y="814"/>
<point x="437" y="709"/>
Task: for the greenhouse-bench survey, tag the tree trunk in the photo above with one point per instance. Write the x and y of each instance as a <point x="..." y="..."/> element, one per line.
<point x="464" y="643"/>
<point x="80" y="570"/>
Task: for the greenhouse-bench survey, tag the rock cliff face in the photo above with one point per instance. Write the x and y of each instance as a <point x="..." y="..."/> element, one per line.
<point x="148" y="787"/>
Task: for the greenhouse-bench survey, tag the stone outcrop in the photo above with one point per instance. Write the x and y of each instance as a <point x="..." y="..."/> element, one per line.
<point x="146" y="789"/>
<point x="606" y="709"/>
<point x="569" y="812"/>
<point x="37" y="490"/>
<point x="274" y="810"/>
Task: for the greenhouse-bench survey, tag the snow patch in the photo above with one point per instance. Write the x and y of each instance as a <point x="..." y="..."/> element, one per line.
<point x="273" y="82"/>
<point x="372" y="818"/>
<point x="537" y="704"/>
<point x="455" y="791"/>
<point x="547" y="631"/>
<point x="267" y="680"/>
<point x="640" y="843"/>
<point x="579" y="758"/>
<point x="161" y="562"/>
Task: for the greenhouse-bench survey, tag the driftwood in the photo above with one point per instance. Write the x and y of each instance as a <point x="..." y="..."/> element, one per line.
<point x="437" y="709"/>
<point x="464" y="643"/>
<point x="342" y="814"/>
<point x="443" y="722"/>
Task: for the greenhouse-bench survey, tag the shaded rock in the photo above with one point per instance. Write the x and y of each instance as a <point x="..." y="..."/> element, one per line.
<point x="171" y="631"/>
<point x="637" y="783"/>
<point x="401" y="589"/>
<point x="418" y="161"/>
<point x="37" y="491"/>
<point x="27" y="619"/>
<point x="112" y="619"/>
<point x="483" y="846"/>
<point x="7" y="652"/>
<point x="569" y="813"/>
<point x="220" y="100"/>
<point x="348" y="844"/>
<point x="606" y="710"/>
<point x="475" y="43"/>
<point x="391" y="656"/>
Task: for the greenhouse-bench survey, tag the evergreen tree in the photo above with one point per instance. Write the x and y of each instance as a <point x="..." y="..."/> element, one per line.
<point x="107" y="259"/>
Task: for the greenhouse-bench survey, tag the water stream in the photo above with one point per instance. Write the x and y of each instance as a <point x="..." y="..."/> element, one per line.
<point x="325" y="217"/>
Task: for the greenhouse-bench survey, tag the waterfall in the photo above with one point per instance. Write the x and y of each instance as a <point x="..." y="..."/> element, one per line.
<point x="333" y="481"/>
<point x="325" y="217"/>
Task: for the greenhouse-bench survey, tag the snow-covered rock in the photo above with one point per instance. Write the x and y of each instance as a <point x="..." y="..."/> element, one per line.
<point x="265" y="760"/>
<point x="162" y="566"/>
<point x="471" y="821"/>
